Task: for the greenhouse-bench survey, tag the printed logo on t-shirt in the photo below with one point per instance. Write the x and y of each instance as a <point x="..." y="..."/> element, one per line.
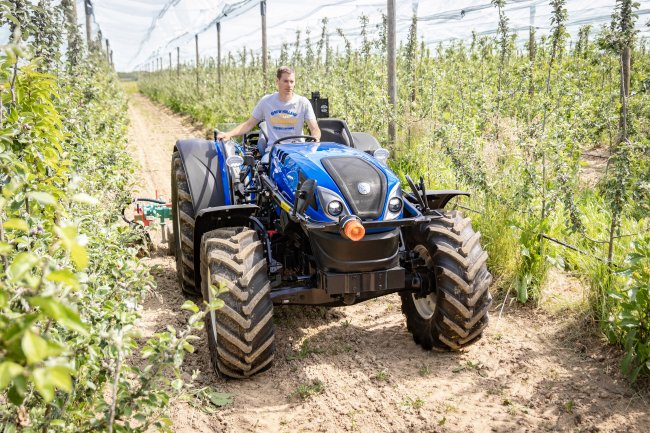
<point x="283" y="120"/>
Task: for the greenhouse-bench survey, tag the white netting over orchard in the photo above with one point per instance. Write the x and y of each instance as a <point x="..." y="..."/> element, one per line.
<point x="141" y="31"/>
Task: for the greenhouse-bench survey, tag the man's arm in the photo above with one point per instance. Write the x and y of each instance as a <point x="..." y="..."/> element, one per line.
<point x="241" y="129"/>
<point x="313" y="128"/>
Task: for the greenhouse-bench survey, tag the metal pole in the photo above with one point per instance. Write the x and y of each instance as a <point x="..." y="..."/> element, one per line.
<point x="219" y="54"/>
<point x="111" y="62"/>
<point x="108" y="51"/>
<point x="531" y="34"/>
<point x="196" y="40"/>
<point x="178" y="61"/>
<point x="88" y="7"/>
<point x="170" y="62"/>
<point x="531" y="48"/>
<point x="264" y="65"/>
<point x="392" y="81"/>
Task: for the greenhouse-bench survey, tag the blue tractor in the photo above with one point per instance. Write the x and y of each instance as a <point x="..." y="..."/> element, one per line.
<point x="322" y="223"/>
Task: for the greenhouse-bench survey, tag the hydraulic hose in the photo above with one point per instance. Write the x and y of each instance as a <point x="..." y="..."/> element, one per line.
<point x="135" y="200"/>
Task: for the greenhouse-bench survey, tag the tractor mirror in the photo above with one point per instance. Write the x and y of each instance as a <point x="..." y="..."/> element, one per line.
<point x="304" y="194"/>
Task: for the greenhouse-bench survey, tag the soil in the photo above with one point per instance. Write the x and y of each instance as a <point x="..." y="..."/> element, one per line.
<point x="358" y="369"/>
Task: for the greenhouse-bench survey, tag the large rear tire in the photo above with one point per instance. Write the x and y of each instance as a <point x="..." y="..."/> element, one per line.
<point x="183" y="226"/>
<point x="241" y="334"/>
<point x="455" y="313"/>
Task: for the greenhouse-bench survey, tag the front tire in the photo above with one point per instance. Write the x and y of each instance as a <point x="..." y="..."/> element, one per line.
<point x="455" y="313"/>
<point x="241" y="334"/>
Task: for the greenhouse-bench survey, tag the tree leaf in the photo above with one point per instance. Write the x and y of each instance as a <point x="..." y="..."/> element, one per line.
<point x="64" y="276"/>
<point x="22" y="264"/>
<point x="78" y="253"/>
<point x="16" y="224"/>
<point x="5" y="248"/>
<point x="34" y="347"/>
<point x="43" y="384"/>
<point x="9" y="370"/>
<point x="43" y="198"/>
<point x="218" y="399"/>
<point x="189" y="305"/>
<point x="84" y="198"/>
<point x="60" y="312"/>
<point x="59" y="375"/>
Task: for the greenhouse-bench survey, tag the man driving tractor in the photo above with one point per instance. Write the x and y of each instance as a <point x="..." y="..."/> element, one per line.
<point x="283" y="111"/>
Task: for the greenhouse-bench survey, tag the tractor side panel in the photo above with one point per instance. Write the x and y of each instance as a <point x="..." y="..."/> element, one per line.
<point x="203" y="165"/>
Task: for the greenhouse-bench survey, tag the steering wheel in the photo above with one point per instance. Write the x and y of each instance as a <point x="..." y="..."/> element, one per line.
<point x="308" y="138"/>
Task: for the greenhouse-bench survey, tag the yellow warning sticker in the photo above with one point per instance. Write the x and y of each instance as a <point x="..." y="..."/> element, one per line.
<point x="285" y="206"/>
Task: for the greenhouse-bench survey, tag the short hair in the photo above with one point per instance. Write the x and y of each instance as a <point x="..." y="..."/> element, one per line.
<point x="284" y="70"/>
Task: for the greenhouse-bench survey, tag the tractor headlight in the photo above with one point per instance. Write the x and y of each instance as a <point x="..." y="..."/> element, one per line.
<point x="331" y="203"/>
<point x="381" y="155"/>
<point x="335" y="208"/>
<point x="395" y="204"/>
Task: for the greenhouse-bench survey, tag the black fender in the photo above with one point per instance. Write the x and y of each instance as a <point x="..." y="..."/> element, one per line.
<point x="212" y="218"/>
<point x="203" y="166"/>
<point x="437" y="199"/>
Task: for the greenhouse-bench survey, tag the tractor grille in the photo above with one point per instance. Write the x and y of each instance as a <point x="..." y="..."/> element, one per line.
<point x="348" y="173"/>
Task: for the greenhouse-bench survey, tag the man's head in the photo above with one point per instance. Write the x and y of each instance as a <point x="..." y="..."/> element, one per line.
<point x="286" y="81"/>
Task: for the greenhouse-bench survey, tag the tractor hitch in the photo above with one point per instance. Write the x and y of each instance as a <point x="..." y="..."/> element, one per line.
<point x="149" y="210"/>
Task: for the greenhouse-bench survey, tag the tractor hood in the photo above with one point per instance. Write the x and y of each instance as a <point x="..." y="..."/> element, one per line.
<point x="361" y="184"/>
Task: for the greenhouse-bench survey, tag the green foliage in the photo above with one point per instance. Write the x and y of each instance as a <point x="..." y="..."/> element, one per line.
<point x="306" y="390"/>
<point x="72" y="286"/>
<point x="630" y="321"/>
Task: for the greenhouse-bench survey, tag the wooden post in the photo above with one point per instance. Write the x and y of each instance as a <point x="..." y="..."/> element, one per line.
<point x="108" y="51"/>
<point x="99" y="39"/>
<point x="88" y="7"/>
<point x="264" y="59"/>
<point x="111" y="60"/>
<point x="392" y="59"/>
<point x="170" y="62"/>
<point x="196" y="40"/>
<point x="531" y="50"/>
<point x="178" y="61"/>
<point x="219" y="54"/>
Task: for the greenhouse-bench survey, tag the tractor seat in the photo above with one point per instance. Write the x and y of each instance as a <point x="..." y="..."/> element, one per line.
<point x="262" y="141"/>
<point x="335" y="130"/>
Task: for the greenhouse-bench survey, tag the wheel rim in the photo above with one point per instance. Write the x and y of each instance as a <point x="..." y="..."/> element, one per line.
<point x="425" y="306"/>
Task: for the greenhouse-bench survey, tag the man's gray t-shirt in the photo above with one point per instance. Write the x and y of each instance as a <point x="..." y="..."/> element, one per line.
<point x="283" y="118"/>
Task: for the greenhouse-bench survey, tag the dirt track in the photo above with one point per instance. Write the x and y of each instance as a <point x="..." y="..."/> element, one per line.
<point x="531" y="371"/>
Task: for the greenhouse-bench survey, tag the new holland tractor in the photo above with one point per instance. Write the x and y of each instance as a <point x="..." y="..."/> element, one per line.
<point x="318" y="223"/>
